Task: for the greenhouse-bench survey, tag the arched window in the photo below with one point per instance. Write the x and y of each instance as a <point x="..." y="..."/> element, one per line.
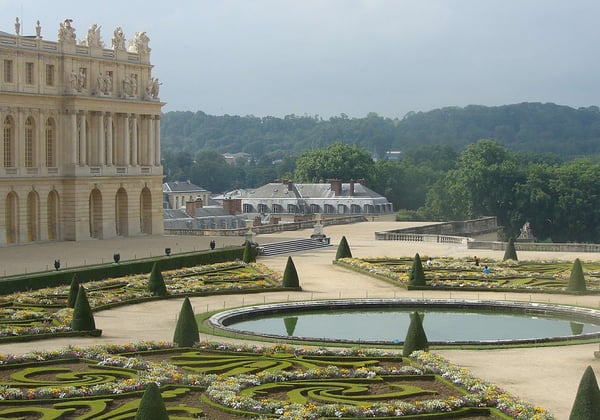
<point x="9" y="141"/>
<point x="50" y="143"/>
<point x="29" y="139"/>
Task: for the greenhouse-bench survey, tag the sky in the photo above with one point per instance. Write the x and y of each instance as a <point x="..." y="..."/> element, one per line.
<point x="353" y="57"/>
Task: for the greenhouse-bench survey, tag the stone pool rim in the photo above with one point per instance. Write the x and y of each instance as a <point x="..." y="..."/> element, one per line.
<point x="222" y="320"/>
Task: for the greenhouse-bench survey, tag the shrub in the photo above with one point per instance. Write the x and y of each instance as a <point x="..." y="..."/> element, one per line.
<point x="416" y="339"/>
<point x="73" y="291"/>
<point x="249" y="253"/>
<point x="83" y="319"/>
<point x="290" y="275"/>
<point x="576" y="280"/>
<point x="152" y="406"/>
<point x="343" y="250"/>
<point x="587" y="400"/>
<point x="417" y="275"/>
<point x="186" y="330"/>
<point x="510" y="253"/>
<point x="156" y="284"/>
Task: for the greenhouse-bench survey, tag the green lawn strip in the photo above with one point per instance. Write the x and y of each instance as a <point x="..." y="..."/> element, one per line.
<point x="461" y="413"/>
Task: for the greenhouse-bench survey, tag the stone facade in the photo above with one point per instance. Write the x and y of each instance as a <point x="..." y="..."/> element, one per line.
<point x="81" y="137"/>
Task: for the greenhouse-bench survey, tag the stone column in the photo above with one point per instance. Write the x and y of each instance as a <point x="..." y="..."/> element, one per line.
<point x="134" y="140"/>
<point x="101" y="140"/>
<point x="109" y="139"/>
<point x="157" y="140"/>
<point x="150" y="141"/>
<point x="73" y="138"/>
<point x="82" y="139"/>
<point x="126" y="140"/>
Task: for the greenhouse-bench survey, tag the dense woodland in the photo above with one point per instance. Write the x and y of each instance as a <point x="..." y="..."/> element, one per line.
<point x="527" y="162"/>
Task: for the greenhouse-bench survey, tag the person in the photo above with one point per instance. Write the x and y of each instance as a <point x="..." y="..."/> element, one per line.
<point x="486" y="270"/>
<point x="476" y="260"/>
<point x="428" y="263"/>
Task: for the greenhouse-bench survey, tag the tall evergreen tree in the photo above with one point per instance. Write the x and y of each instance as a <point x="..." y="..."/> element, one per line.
<point x="587" y="399"/>
<point x="73" y="291"/>
<point x="417" y="275"/>
<point x="577" y="279"/>
<point x="156" y="283"/>
<point x="510" y="253"/>
<point x="152" y="405"/>
<point x="186" y="331"/>
<point x="249" y="255"/>
<point x="290" y="275"/>
<point x="343" y="250"/>
<point x="83" y="318"/>
<point x="416" y="339"/>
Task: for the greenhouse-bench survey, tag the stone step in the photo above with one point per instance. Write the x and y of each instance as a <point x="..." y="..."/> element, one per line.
<point x="288" y="247"/>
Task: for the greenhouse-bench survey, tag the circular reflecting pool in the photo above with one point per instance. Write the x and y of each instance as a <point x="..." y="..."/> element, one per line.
<point x="387" y="321"/>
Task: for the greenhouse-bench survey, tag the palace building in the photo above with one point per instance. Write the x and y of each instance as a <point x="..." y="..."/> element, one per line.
<point x="81" y="137"/>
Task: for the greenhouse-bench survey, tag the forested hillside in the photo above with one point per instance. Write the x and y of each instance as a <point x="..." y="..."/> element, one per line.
<point x="527" y="127"/>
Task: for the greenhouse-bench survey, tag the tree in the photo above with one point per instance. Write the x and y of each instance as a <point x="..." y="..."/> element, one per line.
<point x="290" y="275"/>
<point x="343" y="250"/>
<point x="152" y="405"/>
<point x="83" y="318"/>
<point x="156" y="283"/>
<point x="510" y="253"/>
<point x="416" y="339"/>
<point x="416" y="276"/>
<point x="587" y="399"/>
<point x="338" y="161"/>
<point x="186" y="331"/>
<point x="249" y="255"/>
<point x="577" y="279"/>
<point x="73" y="291"/>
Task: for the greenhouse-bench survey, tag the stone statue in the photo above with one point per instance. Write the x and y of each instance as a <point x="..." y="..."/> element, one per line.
<point x="17" y="26"/>
<point x="81" y="80"/>
<point x="118" y="40"/>
<point x="66" y="32"/>
<point x="152" y="88"/>
<point x="73" y="81"/>
<point x="526" y="232"/>
<point x="93" y="38"/>
<point x="140" y="43"/>
<point x="104" y="83"/>
<point x="130" y="85"/>
<point x="38" y="30"/>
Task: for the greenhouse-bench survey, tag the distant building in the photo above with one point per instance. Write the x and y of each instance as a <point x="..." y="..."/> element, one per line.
<point x="232" y="158"/>
<point x="177" y="193"/>
<point x="393" y="155"/>
<point x="334" y="197"/>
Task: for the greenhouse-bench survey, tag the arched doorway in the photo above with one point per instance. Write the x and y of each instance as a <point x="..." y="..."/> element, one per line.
<point x="33" y="216"/>
<point x="121" y="213"/>
<point x="11" y="216"/>
<point x="53" y="216"/>
<point x="146" y="211"/>
<point x="95" y="208"/>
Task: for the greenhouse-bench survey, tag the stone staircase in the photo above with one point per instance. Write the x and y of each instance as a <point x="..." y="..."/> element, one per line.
<point x="288" y="247"/>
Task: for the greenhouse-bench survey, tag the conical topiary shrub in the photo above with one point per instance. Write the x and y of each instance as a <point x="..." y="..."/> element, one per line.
<point x="417" y="275"/>
<point x="186" y="331"/>
<point x="83" y="319"/>
<point x="152" y="406"/>
<point x="73" y="291"/>
<point x="290" y="275"/>
<point x="576" y="280"/>
<point x="510" y="253"/>
<point x="587" y="399"/>
<point x="416" y="339"/>
<point x="156" y="284"/>
<point x="343" y="250"/>
<point x="249" y="255"/>
<point x="290" y="324"/>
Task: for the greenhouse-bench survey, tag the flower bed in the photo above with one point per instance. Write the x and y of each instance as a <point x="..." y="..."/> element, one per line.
<point x="462" y="273"/>
<point x="291" y="383"/>
<point x="44" y="311"/>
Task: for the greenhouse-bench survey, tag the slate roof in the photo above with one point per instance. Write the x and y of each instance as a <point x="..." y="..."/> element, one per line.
<point x="317" y="190"/>
<point x="182" y="187"/>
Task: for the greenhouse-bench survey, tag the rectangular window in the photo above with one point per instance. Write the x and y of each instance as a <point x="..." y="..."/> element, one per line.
<point x="8" y="71"/>
<point x="28" y="147"/>
<point x="29" y="74"/>
<point x="49" y="148"/>
<point x="49" y="74"/>
<point x="7" y="147"/>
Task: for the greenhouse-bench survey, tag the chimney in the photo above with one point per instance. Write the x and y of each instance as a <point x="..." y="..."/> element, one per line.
<point x="362" y="182"/>
<point x="351" y="187"/>
<point x="336" y="187"/>
<point x="290" y="185"/>
<point x="232" y="205"/>
<point x="190" y="208"/>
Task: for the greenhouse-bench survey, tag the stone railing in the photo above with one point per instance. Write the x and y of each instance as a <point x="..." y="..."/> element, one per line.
<point x="535" y="246"/>
<point x="264" y="229"/>
<point x="417" y="237"/>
